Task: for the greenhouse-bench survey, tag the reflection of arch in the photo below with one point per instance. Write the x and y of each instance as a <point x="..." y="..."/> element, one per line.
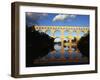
<point x="57" y="42"/>
<point x="48" y="32"/>
<point x="66" y="39"/>
<point x="57" y="39"/>
<point x="66" y="48"/>
<point x="57" y="33"/>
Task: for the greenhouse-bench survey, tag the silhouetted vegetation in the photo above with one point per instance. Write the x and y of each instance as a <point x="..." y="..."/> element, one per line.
<point x="74" y="40"/>
<point x="38" y="44"/>
<point x="83" y="45"/>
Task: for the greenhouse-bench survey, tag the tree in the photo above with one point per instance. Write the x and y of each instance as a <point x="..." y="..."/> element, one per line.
<point x="83" y="45"/>
<point x="38" y="44"/>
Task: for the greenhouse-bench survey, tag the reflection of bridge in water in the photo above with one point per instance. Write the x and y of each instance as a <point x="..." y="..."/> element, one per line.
<point x="62" y="29"/>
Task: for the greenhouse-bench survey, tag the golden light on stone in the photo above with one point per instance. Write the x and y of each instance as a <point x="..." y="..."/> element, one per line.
<point x="62" y="29"/>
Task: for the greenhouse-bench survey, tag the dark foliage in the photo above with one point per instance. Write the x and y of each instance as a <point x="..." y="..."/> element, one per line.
<point x="74" y="40"/>
<point x="38" y="44"/>
<point x="83" y="45"/>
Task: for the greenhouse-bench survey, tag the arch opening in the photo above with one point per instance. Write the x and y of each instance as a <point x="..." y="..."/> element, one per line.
<point x="57" y="33"/>
<point x="48" y="32"/>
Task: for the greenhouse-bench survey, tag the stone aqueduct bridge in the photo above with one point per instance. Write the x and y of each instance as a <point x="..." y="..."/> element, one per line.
<point x="62" y="29"/>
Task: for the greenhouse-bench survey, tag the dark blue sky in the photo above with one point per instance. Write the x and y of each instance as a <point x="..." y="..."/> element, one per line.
<point x="56" y="19"/>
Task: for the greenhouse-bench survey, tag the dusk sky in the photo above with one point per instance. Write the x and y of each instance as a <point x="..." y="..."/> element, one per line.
<point x="56" y="19"/>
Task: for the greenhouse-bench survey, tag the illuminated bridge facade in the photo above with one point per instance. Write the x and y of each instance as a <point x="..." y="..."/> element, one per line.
<point x="62" y="29"/>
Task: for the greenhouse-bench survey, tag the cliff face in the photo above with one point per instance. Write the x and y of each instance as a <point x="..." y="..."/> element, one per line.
<point x="38" y="44"/>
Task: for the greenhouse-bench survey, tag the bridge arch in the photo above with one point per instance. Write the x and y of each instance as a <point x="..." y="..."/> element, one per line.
<point x="57" y="33"/>
<point x="66" y="32"/>
<point x="48" y="32"/>
<point x="74" y="34"/>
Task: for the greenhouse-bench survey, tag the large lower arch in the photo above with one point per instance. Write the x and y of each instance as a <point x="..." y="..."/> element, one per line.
<point x="66" y="33"/>
<point x="57" y="33"/>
